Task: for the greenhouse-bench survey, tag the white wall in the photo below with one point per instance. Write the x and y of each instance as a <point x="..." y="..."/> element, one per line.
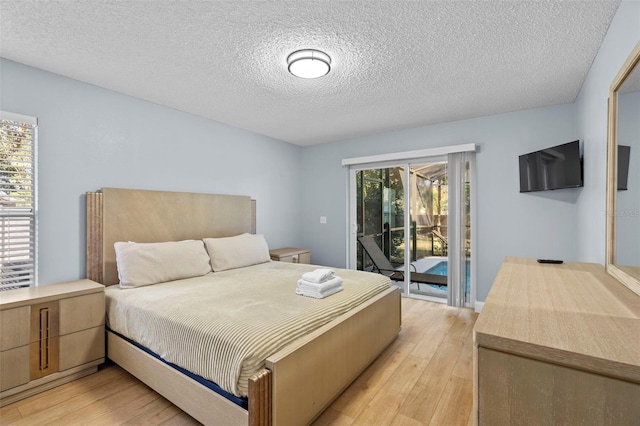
<point x="91" y="138"/>
<point x="509" y="223"/>
<point x="591" y="105"/>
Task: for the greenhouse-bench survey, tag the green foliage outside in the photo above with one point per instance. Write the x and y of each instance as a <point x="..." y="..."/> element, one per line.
<point x="16" y="168"/>
<point x="381" y="209"/>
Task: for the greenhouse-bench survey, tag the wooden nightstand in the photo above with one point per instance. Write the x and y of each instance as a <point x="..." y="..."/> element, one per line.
<point x="49" y="335"/>
<point x="291" y="254"/>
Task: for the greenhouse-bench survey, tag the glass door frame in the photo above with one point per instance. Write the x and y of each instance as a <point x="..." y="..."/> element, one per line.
<point x="395" y="159"/>
<point x="352" y="219"/>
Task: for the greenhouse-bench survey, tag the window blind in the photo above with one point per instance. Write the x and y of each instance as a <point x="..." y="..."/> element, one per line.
<point x="18" y="207"/>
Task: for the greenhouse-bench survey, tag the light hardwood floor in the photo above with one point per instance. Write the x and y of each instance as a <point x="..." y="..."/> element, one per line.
<point x="423" y="378"/>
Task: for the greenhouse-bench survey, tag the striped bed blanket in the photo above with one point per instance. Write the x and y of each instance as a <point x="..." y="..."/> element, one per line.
<point x="223" y="326"/>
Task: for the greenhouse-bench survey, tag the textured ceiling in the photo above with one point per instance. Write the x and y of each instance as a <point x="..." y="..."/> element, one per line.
<point x="396" y="64"/>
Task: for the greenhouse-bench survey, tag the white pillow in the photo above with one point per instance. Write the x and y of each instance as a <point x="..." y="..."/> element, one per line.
<point x="141" y="264"/>
<point x="237" y="252"/>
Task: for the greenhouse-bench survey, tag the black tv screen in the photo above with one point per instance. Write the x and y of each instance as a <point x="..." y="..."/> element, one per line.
<point x="552" y="168"/>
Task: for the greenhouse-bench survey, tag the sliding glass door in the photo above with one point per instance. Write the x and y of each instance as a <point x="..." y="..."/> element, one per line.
<point x="370" y="207"/>
<point x="405" y="224"/>
<point x="429" y="231"/>
<point x="380" y="219"/>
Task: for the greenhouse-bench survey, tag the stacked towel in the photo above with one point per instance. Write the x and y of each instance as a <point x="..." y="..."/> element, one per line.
<point x="319" y="284"/>
<point x="319" y="276"/>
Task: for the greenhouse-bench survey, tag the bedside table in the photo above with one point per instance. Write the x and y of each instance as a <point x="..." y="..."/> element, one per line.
<point x="291" y="254"/>
<point x="49" y="335"/>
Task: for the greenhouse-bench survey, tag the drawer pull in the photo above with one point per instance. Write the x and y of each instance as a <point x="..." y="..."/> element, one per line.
<point x="44" y="339"/>
<point x="44" y="347"/>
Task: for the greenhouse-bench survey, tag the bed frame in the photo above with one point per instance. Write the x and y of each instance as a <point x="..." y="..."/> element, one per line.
<point x="299" y="381"/>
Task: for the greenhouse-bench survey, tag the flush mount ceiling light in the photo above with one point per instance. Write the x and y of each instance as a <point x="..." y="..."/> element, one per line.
<point x="309" y="63"/>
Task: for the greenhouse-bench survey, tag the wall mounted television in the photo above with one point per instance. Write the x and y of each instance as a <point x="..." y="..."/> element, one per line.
<point x="551" y="168"/>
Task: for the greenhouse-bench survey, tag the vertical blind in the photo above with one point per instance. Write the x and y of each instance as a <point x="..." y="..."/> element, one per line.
<point x="18" y="207"/>
<point x="461" y="165"/>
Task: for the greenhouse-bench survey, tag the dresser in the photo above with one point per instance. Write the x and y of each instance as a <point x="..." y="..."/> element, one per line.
<point x="49" y="335"/>
<point x="556" y="345"/>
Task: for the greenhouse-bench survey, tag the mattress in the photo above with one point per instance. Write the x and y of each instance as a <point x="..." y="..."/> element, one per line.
<point x="223" y="326"/>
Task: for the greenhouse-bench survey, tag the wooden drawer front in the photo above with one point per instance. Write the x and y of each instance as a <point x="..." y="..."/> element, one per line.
<point x="81" y="313"/>
<point x="517" y="390"/>
<point x="304" y="258"/>
<point x="14" y="367"/>
<point x="81" y="347"/>
<point x="14" y="328"/>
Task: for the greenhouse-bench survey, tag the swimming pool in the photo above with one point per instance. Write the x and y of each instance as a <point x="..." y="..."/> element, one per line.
<point x="442" y="268"/>
<point x="439" y="268"/>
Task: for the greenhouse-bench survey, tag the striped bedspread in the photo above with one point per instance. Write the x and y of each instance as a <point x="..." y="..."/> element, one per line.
<point x="223" y="326"/>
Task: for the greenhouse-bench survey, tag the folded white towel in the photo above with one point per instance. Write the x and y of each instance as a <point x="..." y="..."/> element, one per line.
<point x="311" y="286"/>
<point x="319" y="275"/>
<point x="318" y="294"/>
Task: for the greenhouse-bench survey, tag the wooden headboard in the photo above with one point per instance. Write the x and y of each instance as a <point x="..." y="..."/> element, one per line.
<point x="155" y="216"/>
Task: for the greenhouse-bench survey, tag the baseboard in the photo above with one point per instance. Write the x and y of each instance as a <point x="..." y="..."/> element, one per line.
<point x="478" y="306"/>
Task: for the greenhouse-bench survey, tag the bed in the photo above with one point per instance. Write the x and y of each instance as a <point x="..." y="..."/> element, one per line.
<point x="300" y="378"/>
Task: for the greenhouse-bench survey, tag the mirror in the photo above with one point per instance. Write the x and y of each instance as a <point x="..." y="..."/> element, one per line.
<point x="623" y="175"/>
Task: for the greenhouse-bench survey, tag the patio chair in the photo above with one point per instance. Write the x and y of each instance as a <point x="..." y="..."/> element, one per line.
<point x="445" y="243"/>
<point x="383" y="266"/>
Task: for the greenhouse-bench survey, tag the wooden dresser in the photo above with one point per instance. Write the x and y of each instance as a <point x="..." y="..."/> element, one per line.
<point x="557" y="344"/>
<point x="49" y="335"/>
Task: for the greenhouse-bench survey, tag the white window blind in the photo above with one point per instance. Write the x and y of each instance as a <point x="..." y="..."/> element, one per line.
<point x="18" y="207"/>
